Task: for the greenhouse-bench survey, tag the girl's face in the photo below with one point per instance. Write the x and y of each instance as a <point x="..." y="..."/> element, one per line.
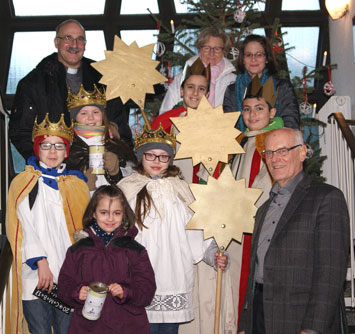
<point x="256" y="113"/>
<point x="89" y="115"/>
<point x="152" y="161"/>
<point x="195" y="87"/>
<point x="109" y="213"/>
<point x="53" y="156"/>
<point x="254" y="58"/>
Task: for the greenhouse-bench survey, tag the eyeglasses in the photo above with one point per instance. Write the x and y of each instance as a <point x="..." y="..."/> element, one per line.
<point x="281" y="152"/>
<point x="216" y="49"/>
<point x="258" y="55"/>
<point x="48" y="146"/>
<point x="152" y="157"/>
<point x="70" y="40"/>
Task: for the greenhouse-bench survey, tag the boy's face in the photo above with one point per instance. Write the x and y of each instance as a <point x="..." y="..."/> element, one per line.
<point x="52" y="157"/>
<point x="194" y="88"/>
<point x="256" y="113"/>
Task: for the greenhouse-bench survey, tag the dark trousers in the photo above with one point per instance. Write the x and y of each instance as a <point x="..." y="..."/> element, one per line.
<point x="258" y="311"/>
<point x="164" y="328"/>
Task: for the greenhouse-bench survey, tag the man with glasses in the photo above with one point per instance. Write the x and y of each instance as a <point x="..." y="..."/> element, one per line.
<point x="45" y="89"/>
<point x="299" y="249"/>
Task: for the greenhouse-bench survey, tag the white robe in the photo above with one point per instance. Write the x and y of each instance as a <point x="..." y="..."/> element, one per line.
<point x="45" y="234"/>
<point x="172" y="249"/>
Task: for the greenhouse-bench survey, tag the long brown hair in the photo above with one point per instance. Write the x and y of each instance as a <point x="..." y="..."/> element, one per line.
<point x="111" y="129"/>
<point x="271" y="63"/>
<point x="144" y="200"/>
<point x="110" y="191"/>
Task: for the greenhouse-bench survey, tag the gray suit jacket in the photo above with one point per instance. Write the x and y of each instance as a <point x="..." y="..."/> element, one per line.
<point x="305" y="265"/>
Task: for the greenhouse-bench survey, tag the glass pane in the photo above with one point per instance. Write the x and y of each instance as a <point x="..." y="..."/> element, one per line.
<point x="63" y="7"/>
<point x="25" y="56"/>
<point x="259" y="6"/>
<point x="142" y="37"/>
<point x="181" y="7"/>
<point x="139" y="6"/>
<point x="304" y="41"/>
<point x="300" y="5"/>
<point x="188" y="38"/>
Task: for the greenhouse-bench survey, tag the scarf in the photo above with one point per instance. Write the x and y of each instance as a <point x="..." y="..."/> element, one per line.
<point x="87" y="131"/>
<point x="50" y="175"/>
<point x="104" y="236"/>
<point x="241" y="84"/>
<point x="275" y="123"/>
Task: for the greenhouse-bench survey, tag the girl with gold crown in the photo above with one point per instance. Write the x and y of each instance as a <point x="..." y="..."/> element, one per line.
<point x="45" y="206"/>
<point x="160" y="199"/>
<point x="92" y="129"/>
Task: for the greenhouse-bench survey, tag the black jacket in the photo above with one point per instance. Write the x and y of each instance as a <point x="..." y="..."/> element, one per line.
<point x="288" y="108"/>
<point x="44" y="90"/>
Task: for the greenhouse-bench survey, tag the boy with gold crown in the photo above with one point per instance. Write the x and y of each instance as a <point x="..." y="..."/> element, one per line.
<point x="45" y="207"/>
<point x="160" y="199"/>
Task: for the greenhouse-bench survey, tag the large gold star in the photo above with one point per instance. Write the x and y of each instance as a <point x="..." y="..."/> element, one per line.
<point x="207" y="135"/>
<point x="224" y="208"/>
<point x="129" y="72"/>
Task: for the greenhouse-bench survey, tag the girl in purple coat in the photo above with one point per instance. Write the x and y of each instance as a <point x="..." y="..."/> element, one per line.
<point x="108" y="253"/>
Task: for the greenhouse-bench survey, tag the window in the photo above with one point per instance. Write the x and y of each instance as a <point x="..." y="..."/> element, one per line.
<point x="63" y="7"/>
<point x="142" y="37"/>
<point x="181" y="7"/>
<point x="139" y="6"/>
<point x="300" y="5"/>
<point x="304" y="40"/>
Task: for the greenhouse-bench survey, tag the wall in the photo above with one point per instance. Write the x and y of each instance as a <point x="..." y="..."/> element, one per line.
<point x="342" y="54"/>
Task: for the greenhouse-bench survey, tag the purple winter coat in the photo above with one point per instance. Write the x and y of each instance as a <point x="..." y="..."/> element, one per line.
<point x="123" y="261"/>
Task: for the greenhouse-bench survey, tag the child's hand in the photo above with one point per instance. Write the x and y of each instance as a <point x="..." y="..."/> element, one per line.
<point x="111" y="163"/>
<point x="116" y="290"/>
<point x="221" y="261"/>
<point x="45" y="276"/>
<point x="83" y="293"/>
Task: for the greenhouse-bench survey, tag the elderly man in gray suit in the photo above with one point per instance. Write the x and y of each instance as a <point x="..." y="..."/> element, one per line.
<point x="299" y="249"/>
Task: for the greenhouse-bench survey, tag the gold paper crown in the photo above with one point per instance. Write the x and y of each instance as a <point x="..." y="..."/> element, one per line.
<point x="59" y="129"/>
<point x="155" y="136"/>
<point x="197" y="68"/>
<point x="266" y="91"/>
<point x="84" y="98"/>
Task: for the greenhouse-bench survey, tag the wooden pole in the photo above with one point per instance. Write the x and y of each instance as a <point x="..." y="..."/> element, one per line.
<point x="145" y="117"/>
<point x="217" y="313"/>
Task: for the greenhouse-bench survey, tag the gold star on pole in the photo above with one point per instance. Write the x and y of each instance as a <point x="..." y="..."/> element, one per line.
<point x="224" y="208"/>
<point x="207" y="135"/>
<point x="129" y="72"/>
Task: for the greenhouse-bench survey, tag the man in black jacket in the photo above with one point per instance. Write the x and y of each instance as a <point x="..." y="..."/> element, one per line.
<point x="45" y="89"/>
